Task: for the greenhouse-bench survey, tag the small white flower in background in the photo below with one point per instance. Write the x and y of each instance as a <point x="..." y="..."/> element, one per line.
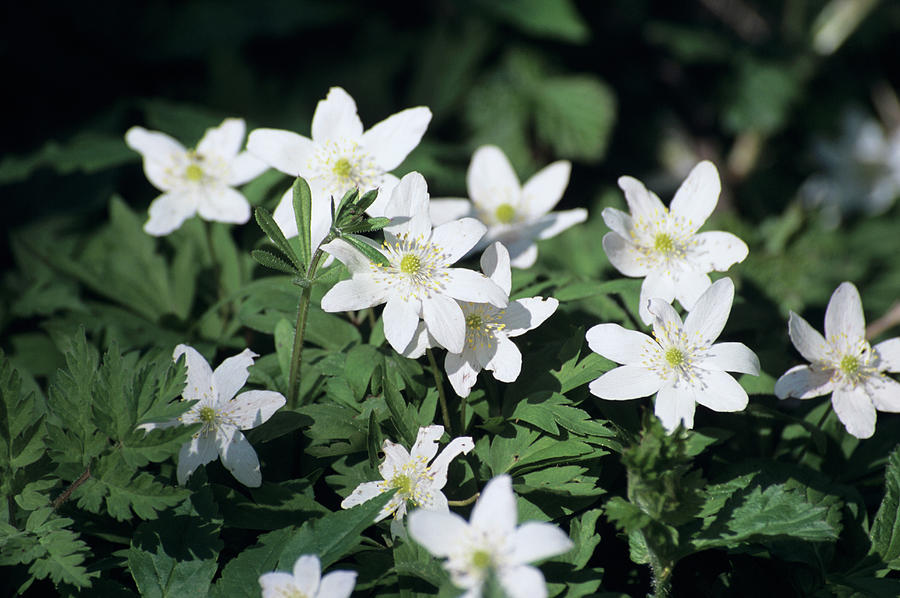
<point x="199" y="180"/>
<point x="490" y="542"/>
<point x="339" y="157"/>
<point x="681" y="365"/>
<point x="418" y="280"/>
<point x="844" y="364"/>
<point x="417" y="474"/>
<point x="488" y="330"/>
<point x="516" y="215"/>
<point x="663" y="245"/>
<point x="222" y="414"/>
<point x="307" y="581"/>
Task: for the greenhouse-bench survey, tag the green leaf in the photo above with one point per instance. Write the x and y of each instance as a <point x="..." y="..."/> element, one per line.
<point x="546" y="18"/>
<point x="403" y="420"/>
<point x="885" y="532"/>
<point x="284" y="345"/>
<point x="575" y="115"/>
<point x="273" y="232"/>
<point x="87" y="152"/>
<point x="240" y="577"/>
<point x="374" y="256"/>
<point x="550" y="411"/>
<point x="272" y="261"/>
<point x="21" y="429"/>
<point x="574" y="373"/>
<point x="302" y="198"/>
<point x="226" y="257"/>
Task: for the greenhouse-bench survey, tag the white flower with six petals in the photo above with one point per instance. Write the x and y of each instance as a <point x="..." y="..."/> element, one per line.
<point x="844" y="364"/>
<point x="307" y="581"/>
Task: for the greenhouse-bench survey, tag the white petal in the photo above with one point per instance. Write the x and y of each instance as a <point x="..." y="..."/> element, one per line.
<point x="844" y="315"/>
<point x="439" y="533"/>
<point x="708" y="316"/>
<point x="807" y="340"/>
<point x="159" y="151"/>
<point x="439" y="466"/>
<point x="675" y="405"/>
<point x="168" y="212"/>
<point x="391" y="140"/>
<point x="618" y="221"/>
<point x="889" y="354"/>
<point x="445" y="322"/>
<point x="506" y="362"/>
<point x="276" y="584"/>
<point x="307" y="571"/>
<point x="657" y="285"/>
<point x="221" y="203"/>
<point x="462" y="371"/>
<point x="550" y="225"/>
<point x="720" y="392"/>
<point x="337" y="584"/>
<point x="626" y="382"/>
<point x="495" y="265"/>
<point x="284" y="214"/>
<point x="855" y="410"/>
<point x="641" y="202"/>
<point x="223" y="141"/>
<point x="885" y="393"/>
<point x="522" y="255"/>
<point x="335" y="118"/>
<point x="468" y="285"/>
<point x="697" y="196"/>
<point x="362" y="493"/>
<point x="426" y="442"/>
<point x="283" y="150"/>
<point x="244" y="168"/>
<point x="447" y="210"/>
<point x="715" y="250"/>
<point x="350" y="256"/>
<point x="420" y="342"/>
<point x="731" y="357"/>
<point x="803" y="382"/>
<point x="665" y="318"/>
<point x="360" y="292"/>
<point x="250" y="409"/>
<point x="199" y="381"/>
<point x="400" y="321"/>
<point x="388" y="183"/>
<point x="491" y="179"/>
<point x="534" y="541"/>
<point x="408" y="208"/>
<point x="523" y="315"/>
<point x="238" y="456"/>
<point x="620" y="344"/>
<point x="396" y="457"/>
<point x="544" y="190"/>
<point x="523" y="581"/>
<point x="624" y="256"/>
<point x="199" y="451"/>
<point x="232" y="374"/>
<point x="457" y="238"/>
<point x="689" y="286"/>
<point x="495" y="510"/>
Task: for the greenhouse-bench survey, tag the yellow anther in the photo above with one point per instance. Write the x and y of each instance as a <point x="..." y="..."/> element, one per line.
<point x="193" y="173"/>
<point x="675" y="357"/>
<point x="410" y="264"/>
<point x="342" y="168"/>
<point x="207" y="415"/>
<point x="481" y="559"/>
<point x="505" y="213"/>
<point x="664" y="243"/>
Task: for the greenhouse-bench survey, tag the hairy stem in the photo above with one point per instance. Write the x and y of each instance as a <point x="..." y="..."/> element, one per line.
<point x="439" y="383"/>
<point x="466" y="502"/>
<point x="300" y="331"/>
<point x="662" y="575"/>
<point x="72" y="487"/>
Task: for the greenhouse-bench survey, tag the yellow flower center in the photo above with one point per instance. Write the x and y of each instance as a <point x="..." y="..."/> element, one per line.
<point x="675" y="357"/>
<point x="207" y="415"/>
<point x="402" y="483"/>
<point x="505" y="213"/>
<point x="481" y="559"/>
<point x="474" y="322"/>
<point x="664" y="243"/>
<point x="194" y="173"/>
<point x="850" y="365"/>
<point x="342" y="168"/>
<point x="410" y="264"/>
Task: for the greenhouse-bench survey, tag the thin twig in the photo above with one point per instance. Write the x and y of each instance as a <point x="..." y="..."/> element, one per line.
<point x="300" y="331"/>
<point x="466" y="502"/>
<point x="439" y="383"/>
<point x="72" y="487"/>
<point x="890" y="319"/>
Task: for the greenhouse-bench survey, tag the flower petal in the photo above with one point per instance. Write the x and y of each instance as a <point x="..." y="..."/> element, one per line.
<point x="250" y="409"/>
<point x="675" y="404"/>
<point x="506" y="362"/>
<point x="619" y="344"/>
<point x="468" y="285"/>
<point x="420" y="342"/>
<point x="449" y="209"/>
<point x="276" y="584"/>
<point x="388" y="183"/>
<point x="445" y="322"/>
<point x="495" y="511"/>
<point x="715" y="250"/>
<point x="885" y="393"/>
<point x="665" y="319"/>
<point x="426" y="442"/>
<point x="159" y="152"/>
<point x="283" y="150"/>
<point x="221" y="203"/>
<point x="544" y="190"/>
<point x="689" y="286"/>
<point x="624" y="256"/>
<point x="720" y="392"/>
<point x="709" y="315"/>
<point x="536" y="540"/>
<point x="697" y="196"/>
<point x="462" y="371"/>
<point x="244" y="168"/>
<point x="335" y="118"/>
<point x="337" y="584"/>
<point x="198" y="451"/>
<point x="395" y="458"/>
<point x="523" y="254"/>
<point x="199" y="383"/>
<point x="360" y="292"/>
<point x="456" y="238"/>
<point x="523" y="315"/>
<point x="889" y="354"/>
<point x="641" y="202"/>
<point x="438" y="532"/>
<point x="391" y="140"/>
<point x="803" y="382"/>
<point x="550" y="225"/>
<point x="844" y="316"/>
<point x="408" y="208"/>
<point x="807" y="340"/>
<point x="238" y="456"/>
<point x="168" y="212"/>
<point x="657" y="285"/>
<point x="855" y="410"/>
<point x="491" y="179"/>
<point x="232" y="374"/>
<point x="495" y="265"/>
<point x="626" y="382"/>
<point x="400" y="321"/>
<point x="731" y="357"/>
<point x="362" y="493"/>
<point x="438" y="468"/>
<point x="351" y="257"/>
<point x="307" y="572"/>
<point x="523" y="581"/>
<point x="618" y="222"/>
<point x="223" y="141"/>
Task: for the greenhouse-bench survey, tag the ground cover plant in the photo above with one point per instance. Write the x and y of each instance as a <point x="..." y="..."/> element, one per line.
<point x="467" y="312"/>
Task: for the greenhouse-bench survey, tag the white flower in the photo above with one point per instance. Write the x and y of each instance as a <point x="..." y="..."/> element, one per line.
<point x="844" y="364"/>
<point x="516" y="215"/>
<point x="681" y="365"/>
<point x="490" y="541"/>
<point x="664" y="246"/>
<point x="222" y="416"/>
<point x="339" y="157"/>
<point x="306" y="582"/>
<point x="417" y="481"/>
<point x="488" y="330"/>
<point x="419" y="279"/>
<point x="198" y="180"/>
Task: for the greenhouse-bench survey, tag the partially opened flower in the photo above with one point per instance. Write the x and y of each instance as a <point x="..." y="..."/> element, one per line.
<point x="488" y="330"/>
<point x="418" y="281"/>
<point x="515" y="215"/>
<point x="490" y="542"/>
<point x="681" y="365"/>
<point x="663" y="245"/>
<point x="844" y="364"/>
<point x="339" y="157"/>
<point x="418" y="475"/>
<point x="198" y="180"/>
<point x="307" y="581"/>
<point x="222" y="414"/>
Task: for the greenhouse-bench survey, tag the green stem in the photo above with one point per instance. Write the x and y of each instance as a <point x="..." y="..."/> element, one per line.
<point x="72" y="487"/>
<point x="462" y="415"/>
<point x="464" y="502"/>
<point x="439" y="383"/>
<point x="662" y="575"/>
<point x="302" y="312"/>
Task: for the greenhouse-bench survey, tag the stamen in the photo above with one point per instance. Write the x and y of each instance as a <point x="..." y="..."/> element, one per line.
<point x="505" y="213"/>
<point x="675" y="357"/>
<point x="193" y="173"/>
<point x="664" y="243"/>
<point x="410" y="264"/>
<point x="342" y="168"/>
<point x="481" y="559"/>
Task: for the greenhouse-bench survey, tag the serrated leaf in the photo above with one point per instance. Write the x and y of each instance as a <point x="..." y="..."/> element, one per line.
<point x="273" y="232"/>
<point x="885" y="532"/>
<point x="21" y="428"/>
<point x="302" y="201"/>
<point x="373" y="255"/>
<point x="575" y="115"/>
